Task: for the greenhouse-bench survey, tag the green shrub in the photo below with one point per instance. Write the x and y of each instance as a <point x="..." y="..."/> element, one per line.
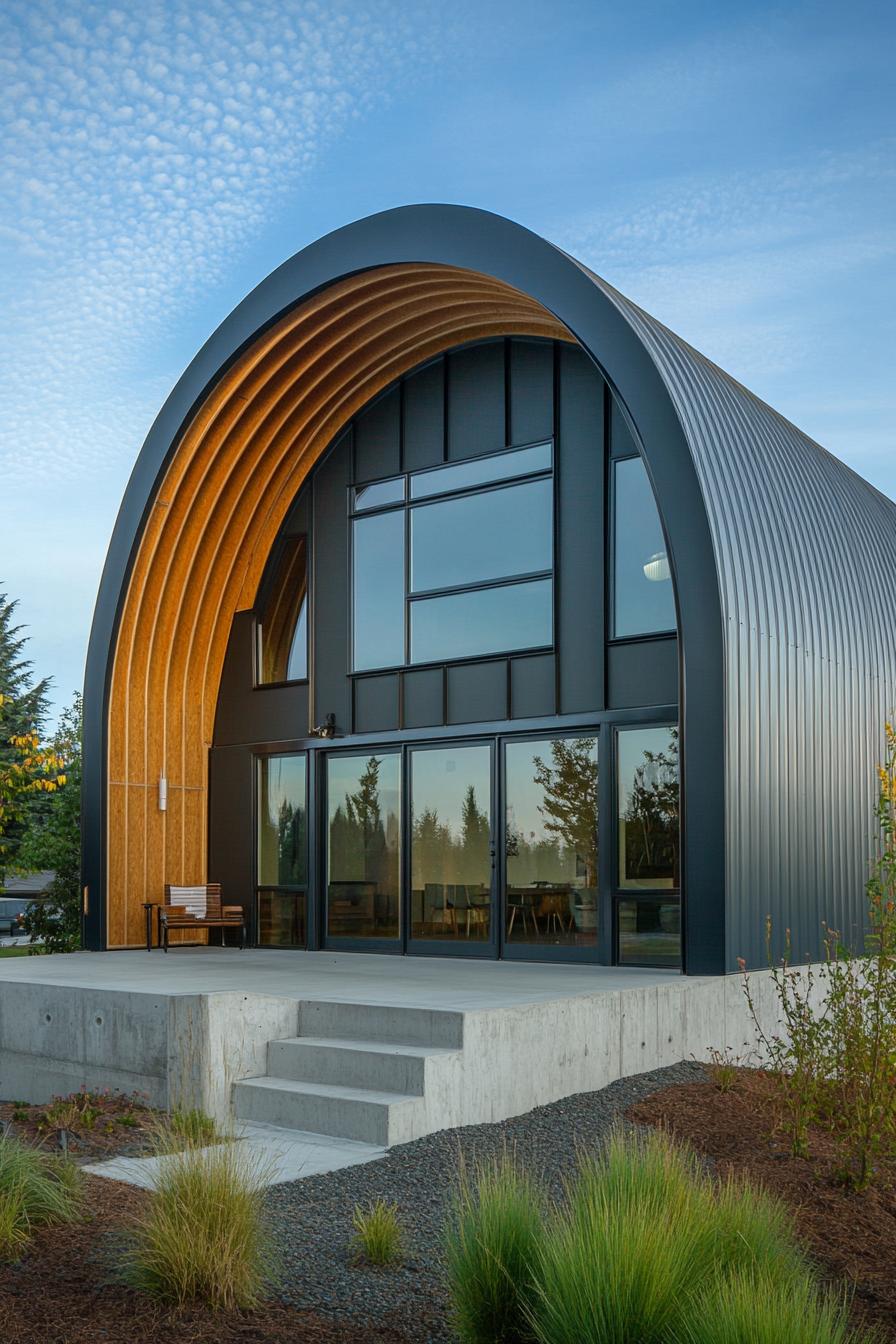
<point x="752" y="1309"/>
<point x="377" y="1232"/>
<point x="36" y="1190"/>
<point x="202" y="1234"/>
<point x="832" y="1051"/>
<point x="492" y="1241"/>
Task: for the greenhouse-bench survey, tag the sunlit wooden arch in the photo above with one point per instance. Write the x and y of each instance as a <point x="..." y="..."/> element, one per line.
<point x="224" y="496"/>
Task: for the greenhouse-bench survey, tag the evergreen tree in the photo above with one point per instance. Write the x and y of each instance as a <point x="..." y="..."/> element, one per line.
<point x="23" y="710"/>
<point x="475" y="839"/>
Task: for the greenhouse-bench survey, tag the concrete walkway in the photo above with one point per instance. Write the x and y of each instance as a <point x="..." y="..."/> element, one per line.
<point x="280" y="1155"/>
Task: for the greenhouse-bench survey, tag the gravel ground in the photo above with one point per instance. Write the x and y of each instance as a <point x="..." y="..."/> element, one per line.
<point x="312" y="1224"/>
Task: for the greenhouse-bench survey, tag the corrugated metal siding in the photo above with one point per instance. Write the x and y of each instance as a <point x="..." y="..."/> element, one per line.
<point x="806" y="556"/>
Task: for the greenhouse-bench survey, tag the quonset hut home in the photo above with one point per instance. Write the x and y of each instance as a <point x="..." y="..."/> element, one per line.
<point x="457" y="607"/>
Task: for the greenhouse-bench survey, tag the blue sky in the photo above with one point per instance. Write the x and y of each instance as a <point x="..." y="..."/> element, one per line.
<point x="731" y="167"/>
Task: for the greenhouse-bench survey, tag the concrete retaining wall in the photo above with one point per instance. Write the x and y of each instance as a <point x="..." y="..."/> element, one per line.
<point x="190" y="1049"/>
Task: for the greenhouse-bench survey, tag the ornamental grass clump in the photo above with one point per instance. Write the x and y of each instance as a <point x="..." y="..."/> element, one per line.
<point x="377" y="1233"/>
<point x="622" y="1256"/>
<point x="492" y="1244"/>
<point x="184" y="1128"/>
<point x="752" y="1309"/>
<point x="202" y="1236"/>
<point x="36" y="1190"/>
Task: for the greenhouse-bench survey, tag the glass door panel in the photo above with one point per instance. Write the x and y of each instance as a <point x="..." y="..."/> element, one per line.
<point x="451" y="844"/>
<point x="363" y="846"/>
<point x="550" y="842"/>
<point x="281" y="861"/>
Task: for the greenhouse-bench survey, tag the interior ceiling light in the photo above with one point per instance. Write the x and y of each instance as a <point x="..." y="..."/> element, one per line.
<point x="657" y="567"/>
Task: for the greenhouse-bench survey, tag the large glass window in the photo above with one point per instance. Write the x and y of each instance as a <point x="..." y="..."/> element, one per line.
<point x="466" y="539"/>
<point x="363" y="845"/>
<point x="451" y="859"/>
<point x="378" y="590"/>
<point x="643" y="601"/>
<point x="475" y="538"/>
<point x="648" y="821"/>
<point x="482" y="620"/>
<point x="481" y="470"/>
<point x="282" y="854"/>
<point x="283" y="626"/>
<point x="550" y="800"/>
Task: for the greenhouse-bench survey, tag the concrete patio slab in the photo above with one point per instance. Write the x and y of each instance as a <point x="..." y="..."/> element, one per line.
<point x="312" y="1039"/>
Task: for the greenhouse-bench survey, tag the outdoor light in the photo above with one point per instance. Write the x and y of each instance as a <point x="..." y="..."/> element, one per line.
<point x="163" y="793"/>
<point x="657" y="567"/>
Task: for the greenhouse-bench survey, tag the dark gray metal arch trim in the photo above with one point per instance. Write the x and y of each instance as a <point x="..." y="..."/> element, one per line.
<point x="487" y="243"/>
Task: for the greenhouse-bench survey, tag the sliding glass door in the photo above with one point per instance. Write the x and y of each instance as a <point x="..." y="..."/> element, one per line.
<point x="362" y="849"/>
<point x="550" y="872"/>
<point x="452" y="849"/>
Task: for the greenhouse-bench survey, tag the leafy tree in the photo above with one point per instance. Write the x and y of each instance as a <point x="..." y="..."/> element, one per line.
<point x="651" y="816"/>
<point x="28" y="772"/>
<point x="569" y="804"/>
<point x="54" y="841"/>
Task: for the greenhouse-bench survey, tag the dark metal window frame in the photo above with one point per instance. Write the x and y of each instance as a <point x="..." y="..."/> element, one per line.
<point x="405" y="506"/>
<point x="605" y="727"/>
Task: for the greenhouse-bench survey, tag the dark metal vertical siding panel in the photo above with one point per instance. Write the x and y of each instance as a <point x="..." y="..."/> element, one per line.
<point x="805" y="551"/>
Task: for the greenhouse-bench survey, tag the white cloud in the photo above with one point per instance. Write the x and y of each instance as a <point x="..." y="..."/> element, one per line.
<point x="142" y="150"/>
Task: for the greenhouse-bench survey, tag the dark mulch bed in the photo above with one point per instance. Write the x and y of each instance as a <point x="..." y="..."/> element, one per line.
<point x="98" y="1125"/>
<point x="850" y="1236"/>
<point x="63" y="1291"/>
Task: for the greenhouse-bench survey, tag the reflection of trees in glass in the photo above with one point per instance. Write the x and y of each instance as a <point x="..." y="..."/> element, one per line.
<point x="364" y="848"/>
<point x="291" y="838"/>
<point x="441" y="856"/>
<point x="569" y="800"/>
<point x="651" y="815"/>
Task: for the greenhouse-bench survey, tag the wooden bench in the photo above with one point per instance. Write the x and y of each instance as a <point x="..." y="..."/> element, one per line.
<point x="195" y="907"/>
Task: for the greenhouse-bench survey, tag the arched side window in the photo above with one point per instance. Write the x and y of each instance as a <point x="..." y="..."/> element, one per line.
<point x="643" y="599"/>
<point x="283" y="619"/>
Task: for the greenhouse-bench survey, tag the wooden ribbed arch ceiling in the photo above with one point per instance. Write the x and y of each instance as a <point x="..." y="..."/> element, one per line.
<point x="225" y="494"/>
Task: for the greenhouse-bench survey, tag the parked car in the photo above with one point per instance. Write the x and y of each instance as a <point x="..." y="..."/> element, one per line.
<point x="12" y="912"/>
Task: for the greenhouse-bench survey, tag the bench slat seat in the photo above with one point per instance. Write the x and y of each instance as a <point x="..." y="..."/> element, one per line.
<point x="197" y="907"/>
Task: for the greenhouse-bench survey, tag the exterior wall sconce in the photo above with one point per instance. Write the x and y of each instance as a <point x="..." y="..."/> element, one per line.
<point x="163" y="794"/>
<point x="325" y="729"/>
<point x="657" y="567"/>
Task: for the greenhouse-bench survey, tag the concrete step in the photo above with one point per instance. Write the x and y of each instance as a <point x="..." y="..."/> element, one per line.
<point x="381" y="1022"/>
<point x="381" y="1065"/>
<point x="368" y="1116"/>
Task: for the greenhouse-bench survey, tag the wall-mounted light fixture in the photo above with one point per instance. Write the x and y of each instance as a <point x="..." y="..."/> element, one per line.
<point x="325" y="729"/>
<point x="163" y="793"/>
<point x="657" y="567"/>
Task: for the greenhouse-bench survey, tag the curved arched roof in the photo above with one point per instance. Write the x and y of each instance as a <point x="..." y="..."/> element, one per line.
<point x="771" y="539"/>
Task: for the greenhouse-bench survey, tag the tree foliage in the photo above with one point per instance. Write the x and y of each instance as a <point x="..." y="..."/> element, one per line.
<point x="569" y="803"/>
<point x="55" y="842"/>
<point x="29" y="772"/>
